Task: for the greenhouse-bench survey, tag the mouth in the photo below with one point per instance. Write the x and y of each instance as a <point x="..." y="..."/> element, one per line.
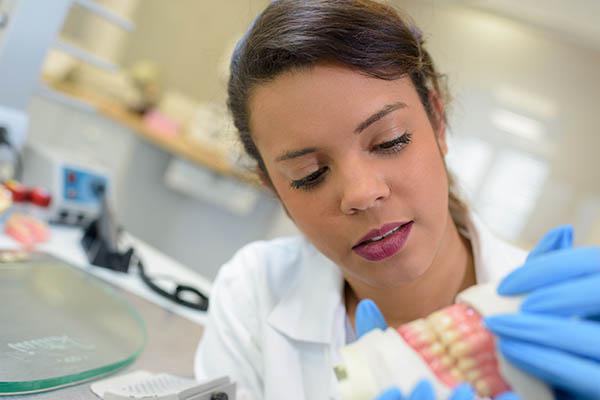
<point x="383" y="242"/>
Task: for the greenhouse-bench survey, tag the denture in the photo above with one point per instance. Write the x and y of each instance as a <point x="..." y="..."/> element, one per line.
<point x="448" y="347"/>
<point x="457" y="348"/>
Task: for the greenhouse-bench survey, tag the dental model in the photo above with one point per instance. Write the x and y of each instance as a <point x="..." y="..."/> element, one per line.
<point x="448" y="347"/>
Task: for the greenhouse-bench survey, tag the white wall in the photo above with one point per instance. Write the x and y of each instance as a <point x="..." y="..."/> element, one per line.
<point x="482" y="53"/>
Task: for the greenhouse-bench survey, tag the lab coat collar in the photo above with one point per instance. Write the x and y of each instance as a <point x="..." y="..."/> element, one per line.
<point x="306" y="311"/>
<point x="493" y="258"/>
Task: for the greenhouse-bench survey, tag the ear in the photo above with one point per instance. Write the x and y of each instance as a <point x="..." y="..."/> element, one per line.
<point x="439" y="122"/>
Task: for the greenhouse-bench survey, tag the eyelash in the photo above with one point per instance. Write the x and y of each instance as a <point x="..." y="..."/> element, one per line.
<point x="395" y="145"/>
<point x="391" y="147"/>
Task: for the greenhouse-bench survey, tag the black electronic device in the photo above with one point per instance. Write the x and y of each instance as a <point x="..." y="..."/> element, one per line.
<point x="101" y="244"/>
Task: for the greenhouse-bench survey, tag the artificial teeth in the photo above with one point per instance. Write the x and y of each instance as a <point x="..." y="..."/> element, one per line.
<point x="456" y="346"/>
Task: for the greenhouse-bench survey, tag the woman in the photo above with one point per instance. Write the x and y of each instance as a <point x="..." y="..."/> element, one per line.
<point x="342" y="108"/>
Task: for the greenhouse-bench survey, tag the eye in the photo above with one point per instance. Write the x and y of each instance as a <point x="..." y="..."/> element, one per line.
<point x="310" y="181"/>
<point x="394" y="145"/>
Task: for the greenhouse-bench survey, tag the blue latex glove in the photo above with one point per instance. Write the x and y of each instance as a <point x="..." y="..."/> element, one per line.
<point x="555" y="336"/>
<point x="368" y="317"/>
<point x="424" y="391"/>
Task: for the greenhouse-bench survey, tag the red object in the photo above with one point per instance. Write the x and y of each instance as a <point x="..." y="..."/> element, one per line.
<point x="71" y="177"/>
<point x="20" y="193"/>
<point x="40" y="197"/>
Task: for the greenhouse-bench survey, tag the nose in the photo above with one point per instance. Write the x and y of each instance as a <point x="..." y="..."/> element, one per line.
<point x="363" y="189"/>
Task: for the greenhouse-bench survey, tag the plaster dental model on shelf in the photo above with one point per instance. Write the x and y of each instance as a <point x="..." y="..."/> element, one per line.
<point x="448" y="347"/>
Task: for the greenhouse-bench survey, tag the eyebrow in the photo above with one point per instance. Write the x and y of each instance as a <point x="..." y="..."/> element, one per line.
<point x="388" y="108"/>
<point x="288" y="155"/>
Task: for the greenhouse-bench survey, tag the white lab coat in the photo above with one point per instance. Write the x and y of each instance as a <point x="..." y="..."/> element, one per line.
<point x="277" y="316"/>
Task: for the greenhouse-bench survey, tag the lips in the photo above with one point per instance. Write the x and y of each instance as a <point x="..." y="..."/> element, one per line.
<point x="375" y="233"/>
<point x="383" y="242"/>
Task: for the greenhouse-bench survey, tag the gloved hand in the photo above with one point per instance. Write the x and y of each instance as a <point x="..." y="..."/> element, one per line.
<point x="555" y="337"/>
<point x="424" y="391"/>
<point x="368" y="317"/>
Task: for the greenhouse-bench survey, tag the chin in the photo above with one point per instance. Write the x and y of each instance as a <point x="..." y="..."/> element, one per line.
<point x="395" y="275"/>
<point x="407" y="276"/>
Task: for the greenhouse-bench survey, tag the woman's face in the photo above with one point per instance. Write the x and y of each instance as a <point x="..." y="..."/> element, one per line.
<point x="359" y="168"/>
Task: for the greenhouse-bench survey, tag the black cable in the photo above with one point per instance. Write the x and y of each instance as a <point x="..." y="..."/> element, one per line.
<point x="201" y="304"/>
<point x="101" y="244"/>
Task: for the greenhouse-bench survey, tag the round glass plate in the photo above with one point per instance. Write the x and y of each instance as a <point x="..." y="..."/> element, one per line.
<point x="61" y="326"/>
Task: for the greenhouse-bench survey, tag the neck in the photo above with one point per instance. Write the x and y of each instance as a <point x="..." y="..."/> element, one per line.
<point x="451" y="271"/>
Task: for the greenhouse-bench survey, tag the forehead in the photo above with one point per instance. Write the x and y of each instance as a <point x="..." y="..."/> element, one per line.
<point x="321" y="99"/>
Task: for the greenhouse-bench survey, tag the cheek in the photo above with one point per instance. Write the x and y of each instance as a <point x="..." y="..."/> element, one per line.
<point x="316" y="216"/>
<point x="424" y="184"/>
<point x="306" y="209"/>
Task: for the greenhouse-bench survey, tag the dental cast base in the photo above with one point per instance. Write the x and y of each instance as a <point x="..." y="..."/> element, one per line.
<point x="447" y="348"/>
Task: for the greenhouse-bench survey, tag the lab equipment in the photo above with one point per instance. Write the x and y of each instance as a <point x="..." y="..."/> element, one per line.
<point x="101" y="244"/>
<point x="144" y="385"/>
<point x="61" y="326"/>
<point x="446" y="348"/>
<point x="556" y="337"/>
<point x="76" y="186"/>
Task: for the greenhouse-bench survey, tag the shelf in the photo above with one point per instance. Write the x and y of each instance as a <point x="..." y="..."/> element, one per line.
<point x="181" y="146"/>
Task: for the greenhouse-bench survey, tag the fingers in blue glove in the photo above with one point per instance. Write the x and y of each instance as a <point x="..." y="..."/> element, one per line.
<point x="507" y="396"/>
<point x="551" y="268"/>
<point x="570" y="335"/>
<point x="423" y="391"/>
<point x="391" y="394"/>
<point x="577" y="297"/>
<point x="555" y="367"/>
<point x="368" y="317"/>
<point x="463" y="392"/>
<point x="558" y="238"/>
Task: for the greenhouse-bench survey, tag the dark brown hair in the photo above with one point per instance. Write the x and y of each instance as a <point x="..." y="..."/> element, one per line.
<point x="367" y="36"/>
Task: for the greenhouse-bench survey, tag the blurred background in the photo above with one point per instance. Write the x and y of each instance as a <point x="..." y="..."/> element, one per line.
<point x="146" y="106"/>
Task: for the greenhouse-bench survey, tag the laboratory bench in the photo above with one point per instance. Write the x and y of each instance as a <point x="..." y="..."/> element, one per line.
<point x="173" y="332"/>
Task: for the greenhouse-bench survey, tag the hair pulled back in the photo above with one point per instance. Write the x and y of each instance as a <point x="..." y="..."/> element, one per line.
<point x="365" y="35"/>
